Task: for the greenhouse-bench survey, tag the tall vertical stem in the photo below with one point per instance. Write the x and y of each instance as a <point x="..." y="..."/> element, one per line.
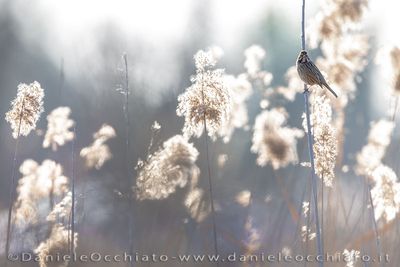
<point x="127" y="129"/>
<point x="13" y="182"/>
<point x="311" y="144"/>
<point x="313" y="175"/>
<point x="303" y="31"/>
<point x="73" y="196"/>
<point x="375" y="225"/>
<point x="214" y="224"/>
<point x="322" y="210"/>
<point x="211" y="193"/>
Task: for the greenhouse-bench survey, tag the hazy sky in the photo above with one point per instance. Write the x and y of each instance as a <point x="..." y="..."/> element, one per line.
<point x="71" y="29"/>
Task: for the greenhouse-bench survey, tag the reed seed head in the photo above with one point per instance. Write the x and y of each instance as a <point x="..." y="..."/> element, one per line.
<point x="274" y="142"/>
<point x="55" y="247"/>
<point x="385" y="193"/>
<point x="58" y="128"/>
<point x="206" y="99"/>
<point x="98" y="152"/>
<point x="168" y="168"/>
<point x="26" y="109"/>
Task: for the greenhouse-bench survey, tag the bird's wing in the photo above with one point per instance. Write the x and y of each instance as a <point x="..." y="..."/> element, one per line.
<point x="312" y="71"/>
<point x="318" y="75"/>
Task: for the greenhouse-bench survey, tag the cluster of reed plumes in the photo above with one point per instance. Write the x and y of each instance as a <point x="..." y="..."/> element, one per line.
<point x="214" y="107"/>
<point x="43" y="198"/>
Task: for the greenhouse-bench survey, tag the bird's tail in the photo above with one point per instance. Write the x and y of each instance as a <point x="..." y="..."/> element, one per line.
<point x="330" y="89"/>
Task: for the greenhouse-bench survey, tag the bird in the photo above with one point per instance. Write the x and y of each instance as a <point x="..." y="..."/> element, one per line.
<point x="309" y="72"/>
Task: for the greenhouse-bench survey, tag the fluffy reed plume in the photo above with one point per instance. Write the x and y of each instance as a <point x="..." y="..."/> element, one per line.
<point x="207" y="97"/>
<point x="325" y="152"/>
<point x="196" y="204"/>
<point x="253" y="65"/>
<point x="98" y="152"/>
<point x="240" y="89"/>
<point x="350" y="10"/>
<point x="294" y="85"/>
<point x="216" y="51"/>
<point x="58" y="128"/>
<point x="338" y="29"/>
<point x="273" y="141"/>
<point x="389" y="59"/>
<point x="243" y="198"/>
<point x="369" y="160"/>
<point x="322" y="112"/>
<point x="336" y="17"/>
<point x="38" y="182"/>
<point x="385" y="193"/>
<point x="168" y="168"/>
<point x="26" y="109"/>
<point x="62" y="210"/>
<point x="342" y="62"/>
<point x="372" y="154"/>
<point x="254" y="55"/>
<point x="325" y="143"/>
<point x="395" y="58"/>
<point x="351" y="257"/>
<point x="53" y="251"/>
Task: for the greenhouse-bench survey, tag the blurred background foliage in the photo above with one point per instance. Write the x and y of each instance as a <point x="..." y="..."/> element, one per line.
<point x="80" y="65"/>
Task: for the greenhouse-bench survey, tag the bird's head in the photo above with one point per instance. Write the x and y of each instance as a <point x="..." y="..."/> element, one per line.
<point x="303" y="57"/>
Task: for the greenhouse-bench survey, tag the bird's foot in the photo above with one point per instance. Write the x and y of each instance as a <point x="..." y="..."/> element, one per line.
<point x="306" y="89"/>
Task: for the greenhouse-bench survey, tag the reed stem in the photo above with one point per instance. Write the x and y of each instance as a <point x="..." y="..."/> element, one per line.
<point x="127" y="147"/>
<point x="73" y="196"/>
<point x="375" y="224"/>
<point x="310" y="145"/>
<point x="13" y="183"/>
<point x="210" y="183"/>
